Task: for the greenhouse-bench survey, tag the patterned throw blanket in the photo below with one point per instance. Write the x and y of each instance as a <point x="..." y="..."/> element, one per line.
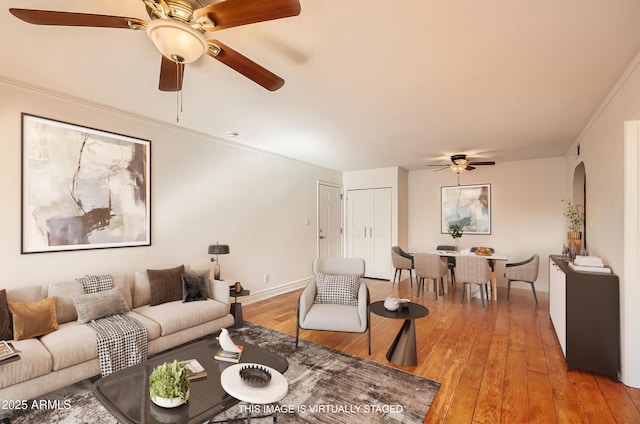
<point x="122" y="342"/>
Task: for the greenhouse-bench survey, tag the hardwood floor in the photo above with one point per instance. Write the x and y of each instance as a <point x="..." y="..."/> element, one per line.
<point x="502" y="364"/>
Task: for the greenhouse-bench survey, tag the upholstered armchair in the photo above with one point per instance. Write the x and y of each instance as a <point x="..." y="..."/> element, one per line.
<point x="336" y="300"/>
<point x="526" y="271"/>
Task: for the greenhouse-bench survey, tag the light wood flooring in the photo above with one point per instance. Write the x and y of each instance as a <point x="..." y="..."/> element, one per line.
<point x="502" y="364"/>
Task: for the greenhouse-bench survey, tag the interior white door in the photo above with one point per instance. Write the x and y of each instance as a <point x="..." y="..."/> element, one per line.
<point x="329" y="221"/>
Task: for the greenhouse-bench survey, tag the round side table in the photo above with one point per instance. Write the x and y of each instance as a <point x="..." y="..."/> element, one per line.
<point x="236" y="307"/>
<point x="273" y="392"/>
<point x="403" y="350"/>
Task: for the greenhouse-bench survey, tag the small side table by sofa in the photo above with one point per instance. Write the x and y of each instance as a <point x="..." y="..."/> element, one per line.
<point x="403" y="350"/>
<point x="236" y="308"/>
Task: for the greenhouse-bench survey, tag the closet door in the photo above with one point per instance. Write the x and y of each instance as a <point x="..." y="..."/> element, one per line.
<point x="369" y="229"/>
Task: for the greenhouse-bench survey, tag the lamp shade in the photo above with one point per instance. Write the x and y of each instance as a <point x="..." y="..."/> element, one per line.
<point x="176" y="40"/>
<point x="218" y="249"/>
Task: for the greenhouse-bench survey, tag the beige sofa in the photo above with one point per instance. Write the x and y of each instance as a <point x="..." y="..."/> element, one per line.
<point x="69" y="354"/>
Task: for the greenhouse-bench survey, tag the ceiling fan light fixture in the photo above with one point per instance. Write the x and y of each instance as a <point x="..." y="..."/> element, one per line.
<point x="175" y="39"/>
<point x="458" y="167"/>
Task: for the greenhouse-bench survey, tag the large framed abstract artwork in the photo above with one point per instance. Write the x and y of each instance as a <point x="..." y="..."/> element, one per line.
<point x="468" y="206"/>
<point x="83" y="188"/>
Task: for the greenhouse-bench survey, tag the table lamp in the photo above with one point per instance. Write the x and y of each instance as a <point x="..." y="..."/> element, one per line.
<point x="217" y="249"/>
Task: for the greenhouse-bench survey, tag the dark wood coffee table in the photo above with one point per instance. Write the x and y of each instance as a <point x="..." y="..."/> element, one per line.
<point x="125" y="393"/>
<point x="403" y="350"/>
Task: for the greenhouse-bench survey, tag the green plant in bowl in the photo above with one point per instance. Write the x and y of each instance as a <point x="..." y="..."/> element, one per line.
<point x="169" y="381"/>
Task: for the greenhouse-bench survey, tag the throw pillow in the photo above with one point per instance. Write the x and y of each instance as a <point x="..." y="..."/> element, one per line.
<point x="337" y="289"/>
<point x="92" y="306"/>
<point x="194" y="288"/>
<point x="6" y="330"/>
<point x="33" y="319"/>
<point x="165" y="284"/>
<point x="96" y="283"/>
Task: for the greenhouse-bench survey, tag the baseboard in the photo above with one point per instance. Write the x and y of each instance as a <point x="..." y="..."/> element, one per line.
<point x="257" y="296"/>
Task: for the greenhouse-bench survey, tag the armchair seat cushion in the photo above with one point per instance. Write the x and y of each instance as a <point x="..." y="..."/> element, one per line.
<point x="332" y="317"/>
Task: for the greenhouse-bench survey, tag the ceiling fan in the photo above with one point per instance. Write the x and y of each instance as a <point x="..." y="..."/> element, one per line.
<point x="460" y="163"/>
<point x="177" y="30"/>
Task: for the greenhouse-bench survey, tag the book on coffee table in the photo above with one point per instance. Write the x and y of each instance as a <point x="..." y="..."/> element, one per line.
<point x="224" y="355"/>
<point x="194" y="369"/>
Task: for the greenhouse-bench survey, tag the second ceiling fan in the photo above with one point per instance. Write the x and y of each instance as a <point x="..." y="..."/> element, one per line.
<point x="177" y="30"/>
<point x="460" y="163"/>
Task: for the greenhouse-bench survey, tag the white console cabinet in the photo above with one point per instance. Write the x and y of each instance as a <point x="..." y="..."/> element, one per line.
<point x="558" y="303"/>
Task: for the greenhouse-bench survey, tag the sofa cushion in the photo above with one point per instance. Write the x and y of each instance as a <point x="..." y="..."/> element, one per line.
<point x="122" y="283"/>
<point x="6" y="328"/>
<point x="141" y="289"/>
<point x="337" y="289"/>
<point x="176" y="316"/>
<point x="63" y="292"/>
<point x="72" y="344"/>
<point x="165" y="285"/>
<point x="34" y="361"/>
<point x="96" y="283"/>
<point x="26" y="294"/>
<point x="32" y="319"/>
<point x="194" y="287"/>
<point x="105" y="303"/>
<point x="75" y="343"/>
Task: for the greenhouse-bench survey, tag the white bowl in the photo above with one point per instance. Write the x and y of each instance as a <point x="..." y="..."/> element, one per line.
<point x="170" y="403"/>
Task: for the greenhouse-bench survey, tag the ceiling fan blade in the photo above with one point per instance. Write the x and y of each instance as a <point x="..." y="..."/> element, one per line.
<point x="171" y="75"/>
<point x="232" y="13"/>
<point x="470" y="168"/>
<point x="443" y="167"/>
<point x="246" y="66"/>
<point x="482" y="163"/>
<point x="50" y="17"/>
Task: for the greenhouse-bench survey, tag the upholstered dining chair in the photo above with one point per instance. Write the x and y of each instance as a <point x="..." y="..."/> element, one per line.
<point x="336" y="300"/>
<point x="472" y="269"/>
<point x="526" y="271"/>
<point x="401" y="260"/>
<point x="451" y="261"/>
<point x="431" y="266"/>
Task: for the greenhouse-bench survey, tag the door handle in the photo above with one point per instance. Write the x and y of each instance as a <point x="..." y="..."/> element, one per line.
<point x="322" y="237"/>
<point x="365" y="231"/>
<point x="370" y="231"/>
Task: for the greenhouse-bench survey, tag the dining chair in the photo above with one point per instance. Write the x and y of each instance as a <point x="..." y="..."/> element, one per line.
<point x="431" y="266"/>
<point x="492" y="263"/>
<point x="472" y="269"/>
<point x="450" y="261"/>
<point x="526" y="271"/>
<point x="401" y="260"/>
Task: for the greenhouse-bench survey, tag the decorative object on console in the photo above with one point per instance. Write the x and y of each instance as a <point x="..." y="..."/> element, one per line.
<point x="94" y="192"/>
<point x="217" y="249"/>
<point x="468" y="207"/>
<point x="575" y="219"/>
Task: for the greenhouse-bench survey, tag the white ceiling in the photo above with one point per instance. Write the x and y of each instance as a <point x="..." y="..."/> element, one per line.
<point x="369" y="83"/>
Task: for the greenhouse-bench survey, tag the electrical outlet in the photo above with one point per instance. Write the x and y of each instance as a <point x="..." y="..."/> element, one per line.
<point x="266" y="278"/>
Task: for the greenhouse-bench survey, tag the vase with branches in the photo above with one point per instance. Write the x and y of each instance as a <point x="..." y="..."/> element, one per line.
<point x="575" y="219"/>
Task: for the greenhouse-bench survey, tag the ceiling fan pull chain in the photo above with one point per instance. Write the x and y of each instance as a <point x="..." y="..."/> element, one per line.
<point x="178" y="93"/>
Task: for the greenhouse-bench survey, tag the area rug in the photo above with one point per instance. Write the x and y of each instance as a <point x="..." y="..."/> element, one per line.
<point x="325" y="386"/>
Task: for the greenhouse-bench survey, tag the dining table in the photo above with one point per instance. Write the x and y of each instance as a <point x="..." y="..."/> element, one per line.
<point x="494" y="256"/>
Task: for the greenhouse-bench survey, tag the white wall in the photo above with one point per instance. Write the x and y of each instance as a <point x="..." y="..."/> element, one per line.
<point x="602" y="151"/>
<point x="526" y="211"/>
<point x="203" y="190"/>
